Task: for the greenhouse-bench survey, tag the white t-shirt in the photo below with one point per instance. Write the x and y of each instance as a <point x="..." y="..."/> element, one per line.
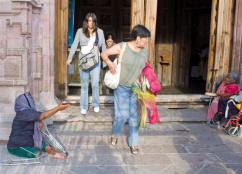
<point x="86" y="49"/>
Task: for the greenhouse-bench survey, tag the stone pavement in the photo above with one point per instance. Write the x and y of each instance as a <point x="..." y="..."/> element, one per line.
<point x="169" y="148"/>
<point x="105" y="115"/>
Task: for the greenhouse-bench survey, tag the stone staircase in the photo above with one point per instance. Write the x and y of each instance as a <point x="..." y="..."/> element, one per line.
<point x="166" y="100"/>
<point x="171" y="108"/>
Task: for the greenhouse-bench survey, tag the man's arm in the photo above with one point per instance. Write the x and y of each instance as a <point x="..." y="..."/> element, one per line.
<point x="51" y="112"/>
<point x="108" y="52"/>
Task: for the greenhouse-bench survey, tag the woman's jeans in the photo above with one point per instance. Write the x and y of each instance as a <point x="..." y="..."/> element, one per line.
<point x="125" y="107"/>
<point x="84" y="76"/>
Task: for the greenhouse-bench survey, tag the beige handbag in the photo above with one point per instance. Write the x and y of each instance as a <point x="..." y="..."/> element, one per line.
<point x="112" y="80"/>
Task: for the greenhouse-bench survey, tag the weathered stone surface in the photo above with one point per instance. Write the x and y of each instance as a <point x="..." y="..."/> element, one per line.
<point x="12" y="68"/>
<point x="173" y="152"/>
<point x="106" y="114"/>
<point x="27" y="43"/>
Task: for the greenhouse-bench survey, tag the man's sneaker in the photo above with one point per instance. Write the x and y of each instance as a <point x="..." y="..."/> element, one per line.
<point x="96" y="109"/>
<point x="83" y="111"/>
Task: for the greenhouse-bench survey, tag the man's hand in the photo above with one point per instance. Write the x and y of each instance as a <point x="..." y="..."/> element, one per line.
<point x="112" y="67"/>
<point x="62" y="106"/>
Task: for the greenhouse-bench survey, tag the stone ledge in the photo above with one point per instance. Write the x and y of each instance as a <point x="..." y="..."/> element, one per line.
<point x="5" y="117"/>
<point x="106" y="115"/>
<point x="176" y="101"/>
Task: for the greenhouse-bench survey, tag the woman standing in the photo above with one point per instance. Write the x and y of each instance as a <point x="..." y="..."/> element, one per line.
<point x="125" y="101"/>
<point x="87" y="36"/>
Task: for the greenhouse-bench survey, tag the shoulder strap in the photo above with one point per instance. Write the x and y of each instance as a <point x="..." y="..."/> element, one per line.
<point x="122" y="52"/>
<point x="97" y="39"/>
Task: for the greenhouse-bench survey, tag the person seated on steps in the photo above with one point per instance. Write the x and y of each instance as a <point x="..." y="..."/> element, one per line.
<point x="227" y="108"/>
<point x="226" y="89"/>
<point x="25" y="139"/>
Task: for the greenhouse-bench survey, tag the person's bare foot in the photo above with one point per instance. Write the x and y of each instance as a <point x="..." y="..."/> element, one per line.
<point x="60" y="155"/>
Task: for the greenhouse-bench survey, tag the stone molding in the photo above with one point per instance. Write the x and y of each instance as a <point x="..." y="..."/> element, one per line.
<point x="34" y="3"/>
<point x="9" y="13"/>
<point x="13" y="82"/>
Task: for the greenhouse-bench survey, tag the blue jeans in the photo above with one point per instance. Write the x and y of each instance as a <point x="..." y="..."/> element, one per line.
<point x="125" y="107"/>
<point x="84" y="76"/>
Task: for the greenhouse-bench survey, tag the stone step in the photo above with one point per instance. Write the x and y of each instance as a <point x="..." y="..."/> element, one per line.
<point x="167" y="100"/>
<point x="5" y="129"/>
<point x="106" y="114"/>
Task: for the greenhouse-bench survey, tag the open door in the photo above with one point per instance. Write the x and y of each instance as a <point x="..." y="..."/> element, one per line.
<point x="212" y="45"/>
<point x="220" y="45"/>
<point x="164" y="41"/>
<point x="61" y="41"/>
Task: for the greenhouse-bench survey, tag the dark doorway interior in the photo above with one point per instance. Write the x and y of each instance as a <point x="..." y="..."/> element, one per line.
<point x="113" y="16"/>
<point x="199" y="48"/>
<point x="182" y="41"/>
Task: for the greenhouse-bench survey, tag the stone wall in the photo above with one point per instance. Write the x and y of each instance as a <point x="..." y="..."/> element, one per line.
<point x="27" y="30"/>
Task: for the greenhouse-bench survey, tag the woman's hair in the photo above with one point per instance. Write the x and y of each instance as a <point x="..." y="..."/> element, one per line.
<point x="141" y="31"/>
<point x="85" y="23"/>
<point x="109" y="36"/>
<point x="234" y="76"/>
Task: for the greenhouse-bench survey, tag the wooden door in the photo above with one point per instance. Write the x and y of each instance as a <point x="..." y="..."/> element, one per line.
<point x="61" y="41"/>
<point x="150" y="23"/>
<point x="220" y="49"/>
<point x="113" y="16"/>
<point x="236" y="65"/>
<point x="182" y="45"/>
<point x="212" y="46"/>
<point x="164" y="41"/>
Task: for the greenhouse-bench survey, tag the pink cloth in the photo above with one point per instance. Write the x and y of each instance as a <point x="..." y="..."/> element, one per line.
<point x="155" y="86"/>
<point x="154" y="118"/>
<point x="149" y="73"/>
<point x="224" y="89"/>
<point x="213" y="108"/>
<point x="231" y="89"/>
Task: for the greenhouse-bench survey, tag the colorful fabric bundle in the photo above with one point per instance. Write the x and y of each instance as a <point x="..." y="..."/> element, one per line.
<point x="147" y="104"/>
<point x="149" y="73"/>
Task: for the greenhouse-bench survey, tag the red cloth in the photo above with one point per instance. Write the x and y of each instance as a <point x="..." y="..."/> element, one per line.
<point x="149" y="73"/>
<point x="154" y="118"/>
<point x="155" y="86"/>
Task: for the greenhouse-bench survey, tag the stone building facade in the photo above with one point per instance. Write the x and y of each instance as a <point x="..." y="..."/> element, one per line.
<point x="27" y="30"/>
<point x="27" y="51"/>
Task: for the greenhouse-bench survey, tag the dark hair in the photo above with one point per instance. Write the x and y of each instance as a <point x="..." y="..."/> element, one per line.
<point x="85" y="23"/>
<point x="139" y="30"/>
<point x="109" y="36"/>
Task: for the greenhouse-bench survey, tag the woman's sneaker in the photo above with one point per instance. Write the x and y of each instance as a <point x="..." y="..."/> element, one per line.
<point x="83" y="111"/>
<point x="96" y="109"/>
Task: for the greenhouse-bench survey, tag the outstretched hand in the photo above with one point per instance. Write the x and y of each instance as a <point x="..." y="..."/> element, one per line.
<point x="62" y="106"/>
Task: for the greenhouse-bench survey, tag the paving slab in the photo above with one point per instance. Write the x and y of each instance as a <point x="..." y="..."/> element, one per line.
<point x="106" y="114"/>
<point x="170" y="148"/>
